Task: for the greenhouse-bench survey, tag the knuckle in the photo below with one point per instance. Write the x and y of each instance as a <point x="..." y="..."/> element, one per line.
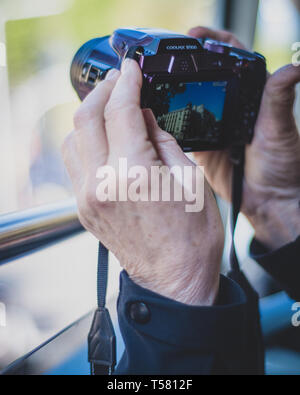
<point x="276" y="90"/>
<point x="68" y="141"/>
<point x="271" y="89"/>
<point x="109" y="112"/>
<point x="130" y="111"/>
<point x="79" y="118"/>
<point x="105" y="89"/>
<point x="87" y="199"/>
<point x="115" y="108"/>
<point x="230" y="37"/>
<point x="83" y="219"/>
<point x="90" y="198"/>
<point x="89" y="109"/>
<point x="83" y="115"/>
<point x="95" y="199"/>
<point x="107" y="86"/>
<point x="167" y="138"/>
<point x="83" y="211"/>
<point x="102" y="200"/>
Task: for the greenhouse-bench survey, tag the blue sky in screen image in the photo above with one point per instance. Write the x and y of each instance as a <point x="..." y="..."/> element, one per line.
<point x="211" y="94"/>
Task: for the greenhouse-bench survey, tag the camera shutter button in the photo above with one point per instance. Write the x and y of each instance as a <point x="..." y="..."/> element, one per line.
<point x="218" y="47"/>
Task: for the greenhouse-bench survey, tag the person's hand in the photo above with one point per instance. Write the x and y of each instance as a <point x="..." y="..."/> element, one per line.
<point x="163" y="248"/>
<point x="271" y="198"/>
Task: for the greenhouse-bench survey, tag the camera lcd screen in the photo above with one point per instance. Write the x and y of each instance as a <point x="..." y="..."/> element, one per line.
<point x="190" y="111"/>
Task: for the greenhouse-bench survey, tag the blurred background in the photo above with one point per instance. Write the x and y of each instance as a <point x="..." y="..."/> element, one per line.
<point x="47" y="291"/>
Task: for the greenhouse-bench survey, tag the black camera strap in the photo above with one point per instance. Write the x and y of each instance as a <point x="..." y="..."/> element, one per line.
<point x="102" y="339"/>
<point x="254" y="354"/>
<point x="238" y="161"/>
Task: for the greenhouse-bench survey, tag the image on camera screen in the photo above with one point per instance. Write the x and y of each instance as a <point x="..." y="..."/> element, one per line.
<point x="190" y="111"/>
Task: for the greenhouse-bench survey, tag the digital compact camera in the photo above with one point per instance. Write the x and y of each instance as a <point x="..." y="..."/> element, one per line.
<point x="207" y="94"/>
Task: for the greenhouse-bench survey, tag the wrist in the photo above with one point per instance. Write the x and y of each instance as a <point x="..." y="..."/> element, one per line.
<point x="277" y="223"/>
<point x="183" y="287"/>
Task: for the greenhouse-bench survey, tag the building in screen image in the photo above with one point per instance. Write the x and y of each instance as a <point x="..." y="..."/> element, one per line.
<point x="190" y="123"/>
<point x="190" y="111"/>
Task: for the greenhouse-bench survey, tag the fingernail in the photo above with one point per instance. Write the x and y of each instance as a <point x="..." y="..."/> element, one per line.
<point x="111" y="74"/>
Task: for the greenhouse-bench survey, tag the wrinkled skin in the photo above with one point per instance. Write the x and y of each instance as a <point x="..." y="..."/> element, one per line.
<point x="272" y="173"/>
<point x="161" y="246"/>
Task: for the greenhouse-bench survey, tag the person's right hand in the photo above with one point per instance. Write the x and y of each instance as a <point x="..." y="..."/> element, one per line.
<point x="271" y="198"/>
<point x="161" y="246"/>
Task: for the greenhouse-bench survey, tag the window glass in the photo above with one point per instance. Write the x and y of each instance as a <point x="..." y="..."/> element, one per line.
<point x="278" y="35"/>
<point x="38" y="100"/>
<point x="278" y="28"/>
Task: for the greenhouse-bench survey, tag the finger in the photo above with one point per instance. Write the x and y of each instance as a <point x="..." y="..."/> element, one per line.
<point x="218" y="35"/>
<point x="125" y="124"/>
<point x="217" y="165"/>
<point x="72" y="161"/>
<point x="278" y="101"/>
<point x="218" y="171"/>
<point x="280" y="89"/>
<point x="89" y="123"/>
<point x="172" y="156"/>
<point x="165" y="144"/>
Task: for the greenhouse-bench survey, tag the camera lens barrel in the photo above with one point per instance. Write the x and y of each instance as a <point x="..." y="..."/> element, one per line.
<point x="90" y="65"/>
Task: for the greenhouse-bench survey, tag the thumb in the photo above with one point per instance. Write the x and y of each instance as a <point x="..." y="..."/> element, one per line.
<point x="165" y="144"/>
<point x="278" y="101"/>
<point x="172" y="156"/>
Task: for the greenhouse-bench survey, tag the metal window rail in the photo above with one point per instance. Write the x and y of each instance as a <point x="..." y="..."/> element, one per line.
<point x="27" y="231"/>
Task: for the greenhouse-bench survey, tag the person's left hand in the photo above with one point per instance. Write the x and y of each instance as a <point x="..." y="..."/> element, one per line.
<point x="272" y="168"/>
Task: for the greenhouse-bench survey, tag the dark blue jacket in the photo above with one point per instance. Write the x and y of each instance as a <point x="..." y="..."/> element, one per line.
<point x="165" y="337"/>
